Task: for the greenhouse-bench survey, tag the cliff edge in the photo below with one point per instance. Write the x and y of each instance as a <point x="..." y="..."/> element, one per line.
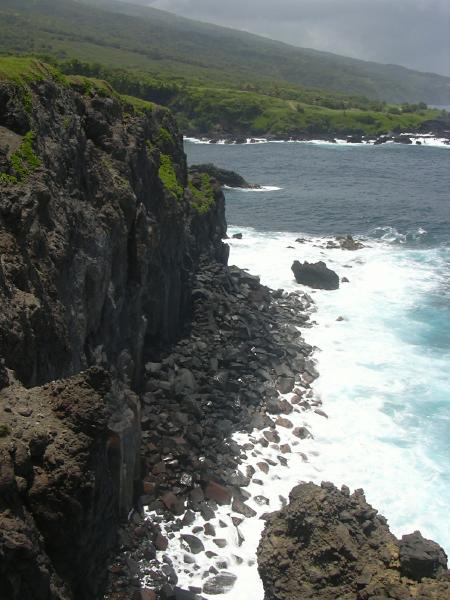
<point x="101" y="233"/>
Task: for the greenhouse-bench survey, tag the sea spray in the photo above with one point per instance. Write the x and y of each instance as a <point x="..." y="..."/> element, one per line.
<point x="385" y="386"/>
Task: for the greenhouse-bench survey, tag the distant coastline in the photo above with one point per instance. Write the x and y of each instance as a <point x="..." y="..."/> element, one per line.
<point x="418" y="139"/>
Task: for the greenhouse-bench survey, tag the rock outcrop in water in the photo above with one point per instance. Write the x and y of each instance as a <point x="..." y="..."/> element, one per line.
<point x="328" y="544"/>
<point x="315" y="275"/>
<point x="223" y="176"/>
<point x="101" y="233"/>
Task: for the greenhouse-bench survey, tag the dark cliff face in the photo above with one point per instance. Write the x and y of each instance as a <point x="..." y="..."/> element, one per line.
<point x="96" y="252"/>
<point x="100" y="235"/>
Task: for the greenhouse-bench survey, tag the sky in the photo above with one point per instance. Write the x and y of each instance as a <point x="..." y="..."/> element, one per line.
<point x="412" y="33"/>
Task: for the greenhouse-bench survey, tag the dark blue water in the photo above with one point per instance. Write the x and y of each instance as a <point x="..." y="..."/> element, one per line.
<point x="385" y="370"/>
<point x="335" y="189"/>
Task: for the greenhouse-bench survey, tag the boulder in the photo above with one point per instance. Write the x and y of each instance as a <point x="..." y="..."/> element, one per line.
<point x="194" y="543"/>
<point x="223" y="176"/>
<point x="328" y="544"/>
<point x="315" y="275"/>
<point x="218" y="493"/>
<point x="219" y="584"/>
<point x="349" y="243"/>
<point x="421" y="558"/>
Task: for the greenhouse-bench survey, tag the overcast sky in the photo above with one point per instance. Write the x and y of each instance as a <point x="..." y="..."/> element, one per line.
<point x="413" y="33"/>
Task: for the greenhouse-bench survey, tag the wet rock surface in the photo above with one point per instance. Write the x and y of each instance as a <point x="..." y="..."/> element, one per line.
<point x="221" y="378"/>
<point x="328" y="544"/>
<point x="315" y="275"/>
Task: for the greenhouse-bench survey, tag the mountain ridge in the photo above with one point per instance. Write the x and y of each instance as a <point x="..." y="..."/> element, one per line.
<point x="136" y="37"/>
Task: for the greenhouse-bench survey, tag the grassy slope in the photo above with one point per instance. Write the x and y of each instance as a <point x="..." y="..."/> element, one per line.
<point x="222" y="95"/>
<point x="203" y="109"/>
<point x="158" y="42"/>
<point x="250" y="54"/>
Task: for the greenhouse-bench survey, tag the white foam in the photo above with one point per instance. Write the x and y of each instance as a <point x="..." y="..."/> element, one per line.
<point x="362" y="364"/>
<point x="263" y="188"/>
<point x="424" y="140"/>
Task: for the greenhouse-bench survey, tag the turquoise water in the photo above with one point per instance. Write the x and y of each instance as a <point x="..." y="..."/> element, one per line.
<point x="385" y="369"/>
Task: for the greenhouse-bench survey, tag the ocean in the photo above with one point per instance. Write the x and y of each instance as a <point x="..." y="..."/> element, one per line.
<point x="383" y="339"/>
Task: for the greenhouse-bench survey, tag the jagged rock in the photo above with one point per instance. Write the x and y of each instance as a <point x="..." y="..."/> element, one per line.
<point x="223" y="176"/>
<point x="209" y="530"/>
<point x="283" y="422"/>
<point x="173" y="503"/>
<point x="194" y="543"/>
<point x="327" y="544"/>
<point x="279" y="406"/>
<point x="71" y="463"/>
<point x="218" y="493"/>
<point x="315" y="275"/>
<point x="219" y="584"/>
<point x="421" y="558"/>
<point x="302" y="432"/>
<point x="285" y="384"/>
<point x="93" y="247"/>
<point x="348" y="243"/>
<point x="242" y="508"/>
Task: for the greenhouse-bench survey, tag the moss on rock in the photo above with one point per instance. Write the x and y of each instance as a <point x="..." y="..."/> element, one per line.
<point x="202" y="193"/>
<point x="169" y="178"/>
<point x="23" y="162"/>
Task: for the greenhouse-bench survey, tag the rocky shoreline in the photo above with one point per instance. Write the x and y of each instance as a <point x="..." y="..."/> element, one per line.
<point x="222" y="475"/>
<point x="418" y="139"/>
<point x="244" y="349"/>
<point x="150" y="395"/>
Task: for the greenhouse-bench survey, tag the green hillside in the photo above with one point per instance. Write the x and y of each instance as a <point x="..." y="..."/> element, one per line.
<point x="150" y="40"/>
<point x="217" y="81"/>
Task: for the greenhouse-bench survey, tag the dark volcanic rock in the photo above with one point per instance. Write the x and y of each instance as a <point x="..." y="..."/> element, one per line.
<point x="219" y="584"/>
<point x="56" y="535"/>
<point x="349" y="243"/>
<point x="95" y="243"/>
<point x="421" y="558"/>
<point x="223" y="176"/>
<point x="327" y="544"/>
<point x="315" y="275"/>
<point x="194" y="543"/>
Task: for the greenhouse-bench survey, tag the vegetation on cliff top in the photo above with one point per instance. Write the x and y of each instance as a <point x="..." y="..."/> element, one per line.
<point x="24" y="70"/>
<point x="261" y="110"/>
<point x="119" y="34"/>
<point x="216" y="81"/>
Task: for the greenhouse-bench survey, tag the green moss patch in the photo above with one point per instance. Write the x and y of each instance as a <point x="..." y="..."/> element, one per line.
<point x="203" y="195"/>
<point x="164" y="139"/>
<point x="23" y="70"/>
<point x="139" y="106"/>
<point x="91" y="85"/>
<point x="23" y="162"/>
<point x="168" y="176"/>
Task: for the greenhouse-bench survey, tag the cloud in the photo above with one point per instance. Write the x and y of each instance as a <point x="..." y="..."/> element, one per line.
<point x="413" y="33"/>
